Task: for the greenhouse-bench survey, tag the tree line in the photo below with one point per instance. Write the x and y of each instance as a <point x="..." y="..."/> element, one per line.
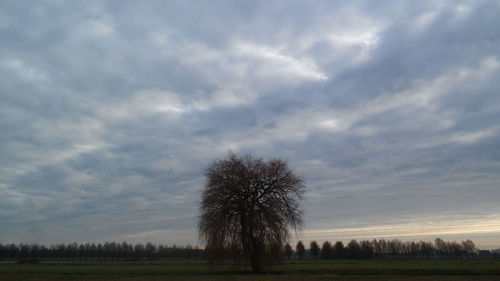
<point x="364" y="249"/>
<point x="383" y="249"/>
<point x="99" y="251"/>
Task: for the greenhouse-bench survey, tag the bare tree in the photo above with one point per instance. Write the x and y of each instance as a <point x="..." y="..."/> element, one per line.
<point x="314" y="248"/>
<point x="288" y="251"/>
<point x="353" y="248"/>
<point x="326" y="250"/>
<point x="440" y="246"/>
<point x="301" y="250"/>
<point x="469" y="247"/>
<point x="339" y="250"/>
<point x="249" y="205"/>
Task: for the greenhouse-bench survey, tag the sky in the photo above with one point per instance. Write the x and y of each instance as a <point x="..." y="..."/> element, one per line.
<point x="110" y="111"/>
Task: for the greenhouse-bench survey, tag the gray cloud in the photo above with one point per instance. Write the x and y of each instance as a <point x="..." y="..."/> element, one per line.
<point x="110" y="111"/>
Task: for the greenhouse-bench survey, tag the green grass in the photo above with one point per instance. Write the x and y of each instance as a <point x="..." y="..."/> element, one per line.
<point x="354" y="270"/>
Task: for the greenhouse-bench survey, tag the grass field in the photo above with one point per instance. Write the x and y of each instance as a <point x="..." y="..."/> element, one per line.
<point x="460" y="270"/>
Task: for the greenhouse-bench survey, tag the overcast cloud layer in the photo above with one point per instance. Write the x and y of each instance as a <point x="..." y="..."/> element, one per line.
<point x="111" y="110"/>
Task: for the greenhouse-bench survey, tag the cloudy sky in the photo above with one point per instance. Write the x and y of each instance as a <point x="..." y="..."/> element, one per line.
<point x="111" y="110"/>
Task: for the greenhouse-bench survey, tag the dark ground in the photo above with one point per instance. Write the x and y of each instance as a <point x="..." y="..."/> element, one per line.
<point x="354" y="270"/>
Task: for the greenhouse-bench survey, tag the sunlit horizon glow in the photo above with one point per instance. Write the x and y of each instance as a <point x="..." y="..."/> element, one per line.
<point x="423" y="229"/>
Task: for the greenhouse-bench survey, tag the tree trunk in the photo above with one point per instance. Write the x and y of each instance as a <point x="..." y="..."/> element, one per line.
<point x="256" y="263"/>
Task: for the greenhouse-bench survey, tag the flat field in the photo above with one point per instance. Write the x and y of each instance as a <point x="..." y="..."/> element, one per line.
<point x="353" y="270"/>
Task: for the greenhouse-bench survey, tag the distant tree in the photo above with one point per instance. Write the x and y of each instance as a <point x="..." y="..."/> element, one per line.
<point x="14" y="251"/>
<point x="314" y="249"/>
<point x="469" y="248"/>
<point x="414" y="249"/>
<point x="426" y="249"/>
<point x="326" y="250"/>
<point x="150" y="250"/>
<point x="353" y="249"/>
<point x="394" y="247"/>
<point x="249" y="204"/>
<point x="97" y="250"/>
<point x="440" y="246"/>
<point x="366" y="250"/>
<point x="338" y="250"/>
<point x="455" y="249"/>
<point x="82" y="253"/>
<point x="300" y="249"/>
<point x="288" y="251"/>
<point x="139" y="251"/>
<point x="377" y="248"/>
